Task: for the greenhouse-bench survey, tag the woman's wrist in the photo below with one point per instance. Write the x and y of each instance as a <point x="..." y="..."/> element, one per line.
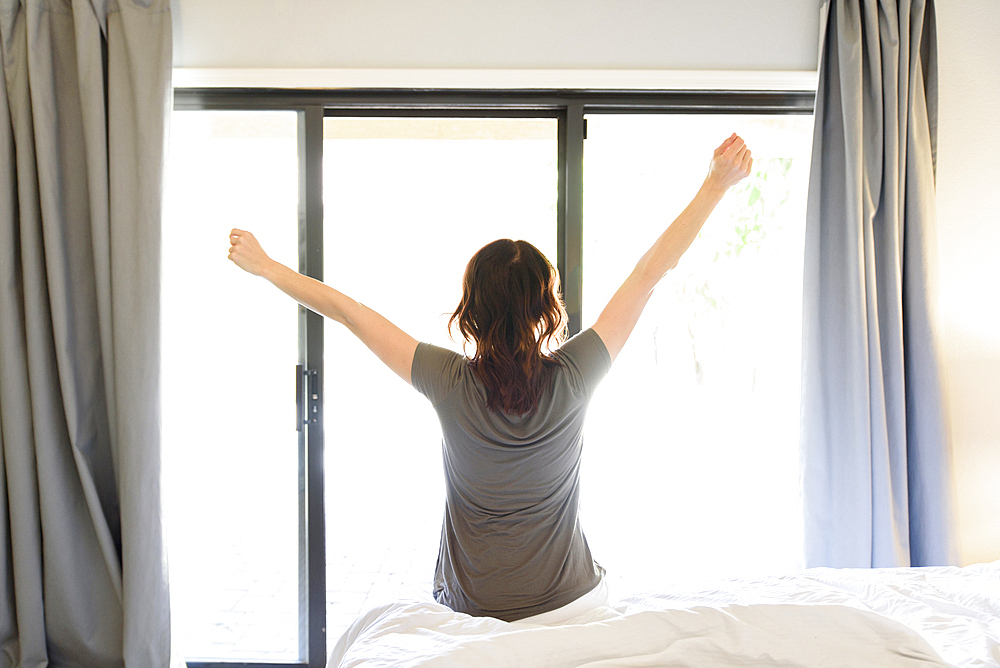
<point x="270" y="269"/>
<point x="712" y="187"/>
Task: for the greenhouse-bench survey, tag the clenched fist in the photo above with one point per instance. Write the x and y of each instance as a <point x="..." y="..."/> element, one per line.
<point x="731" y="162"/>
<point x="246" y="252"/>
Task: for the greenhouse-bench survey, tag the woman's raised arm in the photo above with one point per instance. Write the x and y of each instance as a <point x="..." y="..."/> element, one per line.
<point x="391" y="344"/>
<point x="731" y="162"/>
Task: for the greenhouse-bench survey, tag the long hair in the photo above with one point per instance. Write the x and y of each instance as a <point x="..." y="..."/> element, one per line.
<point x="512" y="313"/>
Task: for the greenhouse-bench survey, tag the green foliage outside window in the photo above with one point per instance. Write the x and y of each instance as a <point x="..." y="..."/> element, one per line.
<point x="757" y="203"/>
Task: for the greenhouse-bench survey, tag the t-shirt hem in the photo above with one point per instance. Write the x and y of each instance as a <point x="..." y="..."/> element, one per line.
<point x="559" y="601"/>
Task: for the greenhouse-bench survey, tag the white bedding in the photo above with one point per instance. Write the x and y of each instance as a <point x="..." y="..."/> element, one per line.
<point x="819" y="617"/>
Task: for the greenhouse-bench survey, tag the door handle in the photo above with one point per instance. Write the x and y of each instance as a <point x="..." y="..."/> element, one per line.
<point x="306" y="396"/>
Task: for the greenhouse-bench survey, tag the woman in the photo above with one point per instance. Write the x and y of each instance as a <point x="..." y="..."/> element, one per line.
<point x="512" y="416"/>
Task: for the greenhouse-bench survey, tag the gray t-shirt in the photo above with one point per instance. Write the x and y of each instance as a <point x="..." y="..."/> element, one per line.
<point x="511" y="543"/>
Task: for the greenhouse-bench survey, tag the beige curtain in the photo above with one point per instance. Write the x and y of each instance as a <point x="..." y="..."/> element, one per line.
<point x="83" y="107"/>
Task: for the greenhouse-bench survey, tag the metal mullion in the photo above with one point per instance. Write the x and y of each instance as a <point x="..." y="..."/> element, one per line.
<point x="312" y="527"/>
<point x="707" y="111"/>
<point x="698" y="102"/>
<point x="439" y="112"/>
<point x="392" y="99"/>
<point x="569" y="258"/>
<point x="244" y="664"/>
<point x="605" y="101"/>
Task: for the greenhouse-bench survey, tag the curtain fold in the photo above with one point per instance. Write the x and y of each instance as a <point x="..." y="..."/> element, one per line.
<point x="83" y="108"/>
<point x="876" y="474"/>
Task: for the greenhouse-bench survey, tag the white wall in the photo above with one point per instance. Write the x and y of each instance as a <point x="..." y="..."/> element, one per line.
<point x="968" y="183"/>
<point x="514" y="34"/>
<point x="680" y="34"/>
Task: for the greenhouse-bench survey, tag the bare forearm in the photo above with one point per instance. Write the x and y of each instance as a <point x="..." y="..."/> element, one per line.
<point x="731" y="162"/>
<point x="675" y="240"/>
<point x="391" y="344"/>
<point x="311" y="293"/>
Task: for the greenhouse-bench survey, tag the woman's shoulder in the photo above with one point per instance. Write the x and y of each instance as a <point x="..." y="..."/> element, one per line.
<point x="587" y="345"/>
<point x="585" y="360"/>
<point x="437" y="371"/>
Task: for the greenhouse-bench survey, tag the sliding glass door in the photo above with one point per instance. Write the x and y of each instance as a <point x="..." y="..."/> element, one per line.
<point x="303" y="479"/>
<point x="407" y="201"/>
<point x="230" y="346"/>
<point x="700" y="413"/>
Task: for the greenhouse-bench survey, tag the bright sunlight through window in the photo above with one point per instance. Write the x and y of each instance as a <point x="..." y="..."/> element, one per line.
<point x="691" y="467"/>
<point x="691" y="454"/>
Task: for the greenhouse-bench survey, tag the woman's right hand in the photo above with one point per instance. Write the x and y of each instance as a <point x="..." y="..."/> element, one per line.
<point x="731" y="163"/>
<point x="246" y="253"/>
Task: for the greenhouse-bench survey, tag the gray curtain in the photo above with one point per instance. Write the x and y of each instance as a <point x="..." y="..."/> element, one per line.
<point x="877" y="479"/>
<point x="83" y="104"/>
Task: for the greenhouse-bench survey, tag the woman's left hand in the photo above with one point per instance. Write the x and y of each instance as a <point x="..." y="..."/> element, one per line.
<point x="246" y="252"/>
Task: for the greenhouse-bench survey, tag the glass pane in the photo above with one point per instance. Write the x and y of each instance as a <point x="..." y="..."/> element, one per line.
<point x="229" y="352"/>
<point x="407" y="202"/>
<point x="692" y="444"/>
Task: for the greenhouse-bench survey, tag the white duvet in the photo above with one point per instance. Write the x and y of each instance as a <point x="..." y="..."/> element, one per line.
<point x="820" y="617"/>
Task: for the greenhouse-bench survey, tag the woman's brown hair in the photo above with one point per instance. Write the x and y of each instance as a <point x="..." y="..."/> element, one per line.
<point x="512" y="313"/>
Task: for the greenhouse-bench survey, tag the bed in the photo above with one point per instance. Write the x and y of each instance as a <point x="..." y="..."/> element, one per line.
<point x="818" y="617"/>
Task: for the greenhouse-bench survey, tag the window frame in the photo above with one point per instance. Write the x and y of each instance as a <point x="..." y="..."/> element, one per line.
<point x="569" y="106"/>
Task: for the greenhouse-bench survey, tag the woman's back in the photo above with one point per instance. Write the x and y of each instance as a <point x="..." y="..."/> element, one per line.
<point x="512" y="417"/>
<point x="511" y="542"/>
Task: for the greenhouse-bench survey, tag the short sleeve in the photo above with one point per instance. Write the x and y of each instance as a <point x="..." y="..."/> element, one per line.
<point x="587" y="361"/>
<point x="436" y="371"/>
